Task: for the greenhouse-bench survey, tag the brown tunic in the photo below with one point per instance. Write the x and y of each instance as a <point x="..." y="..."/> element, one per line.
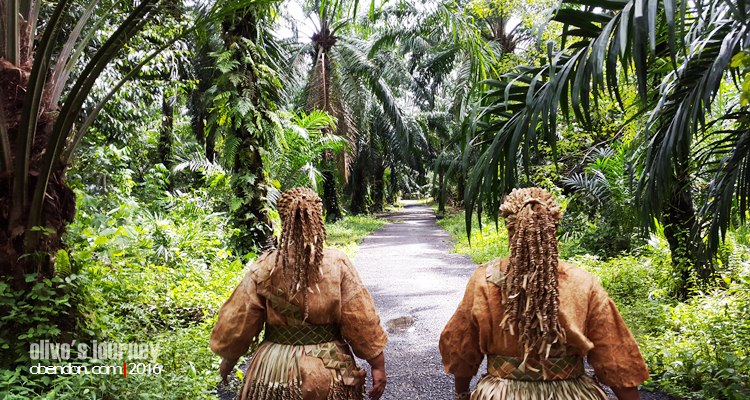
<point x="339" y="298"/>
<point x="593" y="326"/>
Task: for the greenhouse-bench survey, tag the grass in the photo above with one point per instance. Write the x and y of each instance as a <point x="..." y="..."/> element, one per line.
<point x="486" y="243"/>
<point x="348" y="233"/>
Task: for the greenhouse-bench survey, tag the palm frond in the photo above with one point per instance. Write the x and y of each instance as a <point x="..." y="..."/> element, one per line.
<point x="65" y="63"/>
<point x="594" y="187"/>
<point x="196" y="162"/>
<point x="729" y="189"/>
<point x="31" y="111"/>
<point x="686" y="98"/>
<point x="75" y="99"/>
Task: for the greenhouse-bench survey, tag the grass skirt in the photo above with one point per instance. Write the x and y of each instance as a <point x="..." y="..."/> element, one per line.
<point x="494" y="388"/>
<point x="276" y="372"/>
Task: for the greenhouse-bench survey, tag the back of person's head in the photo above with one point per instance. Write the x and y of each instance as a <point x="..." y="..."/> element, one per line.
<point x="300" y="251"/>
<point x="530" y="293"/>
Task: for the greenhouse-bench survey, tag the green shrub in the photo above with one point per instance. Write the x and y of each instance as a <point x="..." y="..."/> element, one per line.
<point x="142" y="276"/>
<point x="153" y="273"/>
<point x="704" y="351"/>
<point x="34" y="314"/>
<point x="636" y="285"/>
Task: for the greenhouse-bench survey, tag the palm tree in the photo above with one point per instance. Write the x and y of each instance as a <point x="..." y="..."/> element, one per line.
<point x="343" y="82"/>
<point x="450" y="57"/>
<point x="294" y="158"/>
<point x="686" y="49"/>
<point x="41" y="104"/>
<point x="244" y="99"/>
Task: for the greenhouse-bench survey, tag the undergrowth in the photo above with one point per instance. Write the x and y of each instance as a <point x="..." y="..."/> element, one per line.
<point x="347" y="234"/>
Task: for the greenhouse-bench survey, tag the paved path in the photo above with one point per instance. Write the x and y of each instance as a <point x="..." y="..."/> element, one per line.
<point x="416" y="283"/>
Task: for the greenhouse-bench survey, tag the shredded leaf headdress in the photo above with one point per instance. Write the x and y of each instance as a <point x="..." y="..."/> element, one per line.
<point x="530" y="296"/>
<point x="300" y="251"/>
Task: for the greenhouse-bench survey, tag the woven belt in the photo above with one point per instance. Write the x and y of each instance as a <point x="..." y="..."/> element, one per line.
<point x="302" y="334"/>
<point x="551" y="369"/>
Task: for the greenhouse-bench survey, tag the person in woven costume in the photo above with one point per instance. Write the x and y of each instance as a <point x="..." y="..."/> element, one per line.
<point x="535" y="317"/>
<point x="314" y="308"/>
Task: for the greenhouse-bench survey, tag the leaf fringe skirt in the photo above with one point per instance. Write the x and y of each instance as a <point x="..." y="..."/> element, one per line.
<point x="494" y="388"/>
<point x="276" y="373"/>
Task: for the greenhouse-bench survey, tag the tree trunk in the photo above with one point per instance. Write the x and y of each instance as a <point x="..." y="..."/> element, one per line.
<point x="251" y="216"/>
<point x="679" y="219"/>
<point x="330" y="195"/>
<point x="441" y="192"/>
<point x="27" y="252"/>
<point x="166" y="133"/>
<point x="460" y="188"/>
<point x="393" y="190"/>
<point x="18" y="254"/>
<point x="248" y="178"/>
<point x="330" y="199"/>
<point x="199" y="128"/>
<point x="378" y="189"/>
<point x="358" y="184"/>
<point x="211" y="146"/>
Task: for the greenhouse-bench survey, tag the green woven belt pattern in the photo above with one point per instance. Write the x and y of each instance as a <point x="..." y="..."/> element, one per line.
<point x="302" y="334"/>
<point x="551" y="369"/>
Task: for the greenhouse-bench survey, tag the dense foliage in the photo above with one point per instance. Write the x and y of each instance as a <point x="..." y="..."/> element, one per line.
<point x="141" y="161"/>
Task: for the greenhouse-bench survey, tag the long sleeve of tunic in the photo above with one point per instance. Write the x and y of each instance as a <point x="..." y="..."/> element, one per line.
<point x="593" y="327"/>
<point x="339" y="298"/>
<point x="240" y="320"/>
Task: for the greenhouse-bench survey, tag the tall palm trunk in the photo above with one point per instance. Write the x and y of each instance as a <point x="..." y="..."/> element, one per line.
<point x="319" y="98"/>
<point x="393" y="183"/>
<point x="679" y="221"/>
<point x="18" y="254"/>
<point x="378" y="188"/>
<point x="251" y="217"/>
<point x="441" y="192"/>
<point x="358" y="183"/>
<point x="166" y="134"/>
<point x="330" y="195"/>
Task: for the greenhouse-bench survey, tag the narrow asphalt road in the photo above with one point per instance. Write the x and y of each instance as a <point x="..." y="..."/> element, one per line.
<point x="416" y="283"/>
